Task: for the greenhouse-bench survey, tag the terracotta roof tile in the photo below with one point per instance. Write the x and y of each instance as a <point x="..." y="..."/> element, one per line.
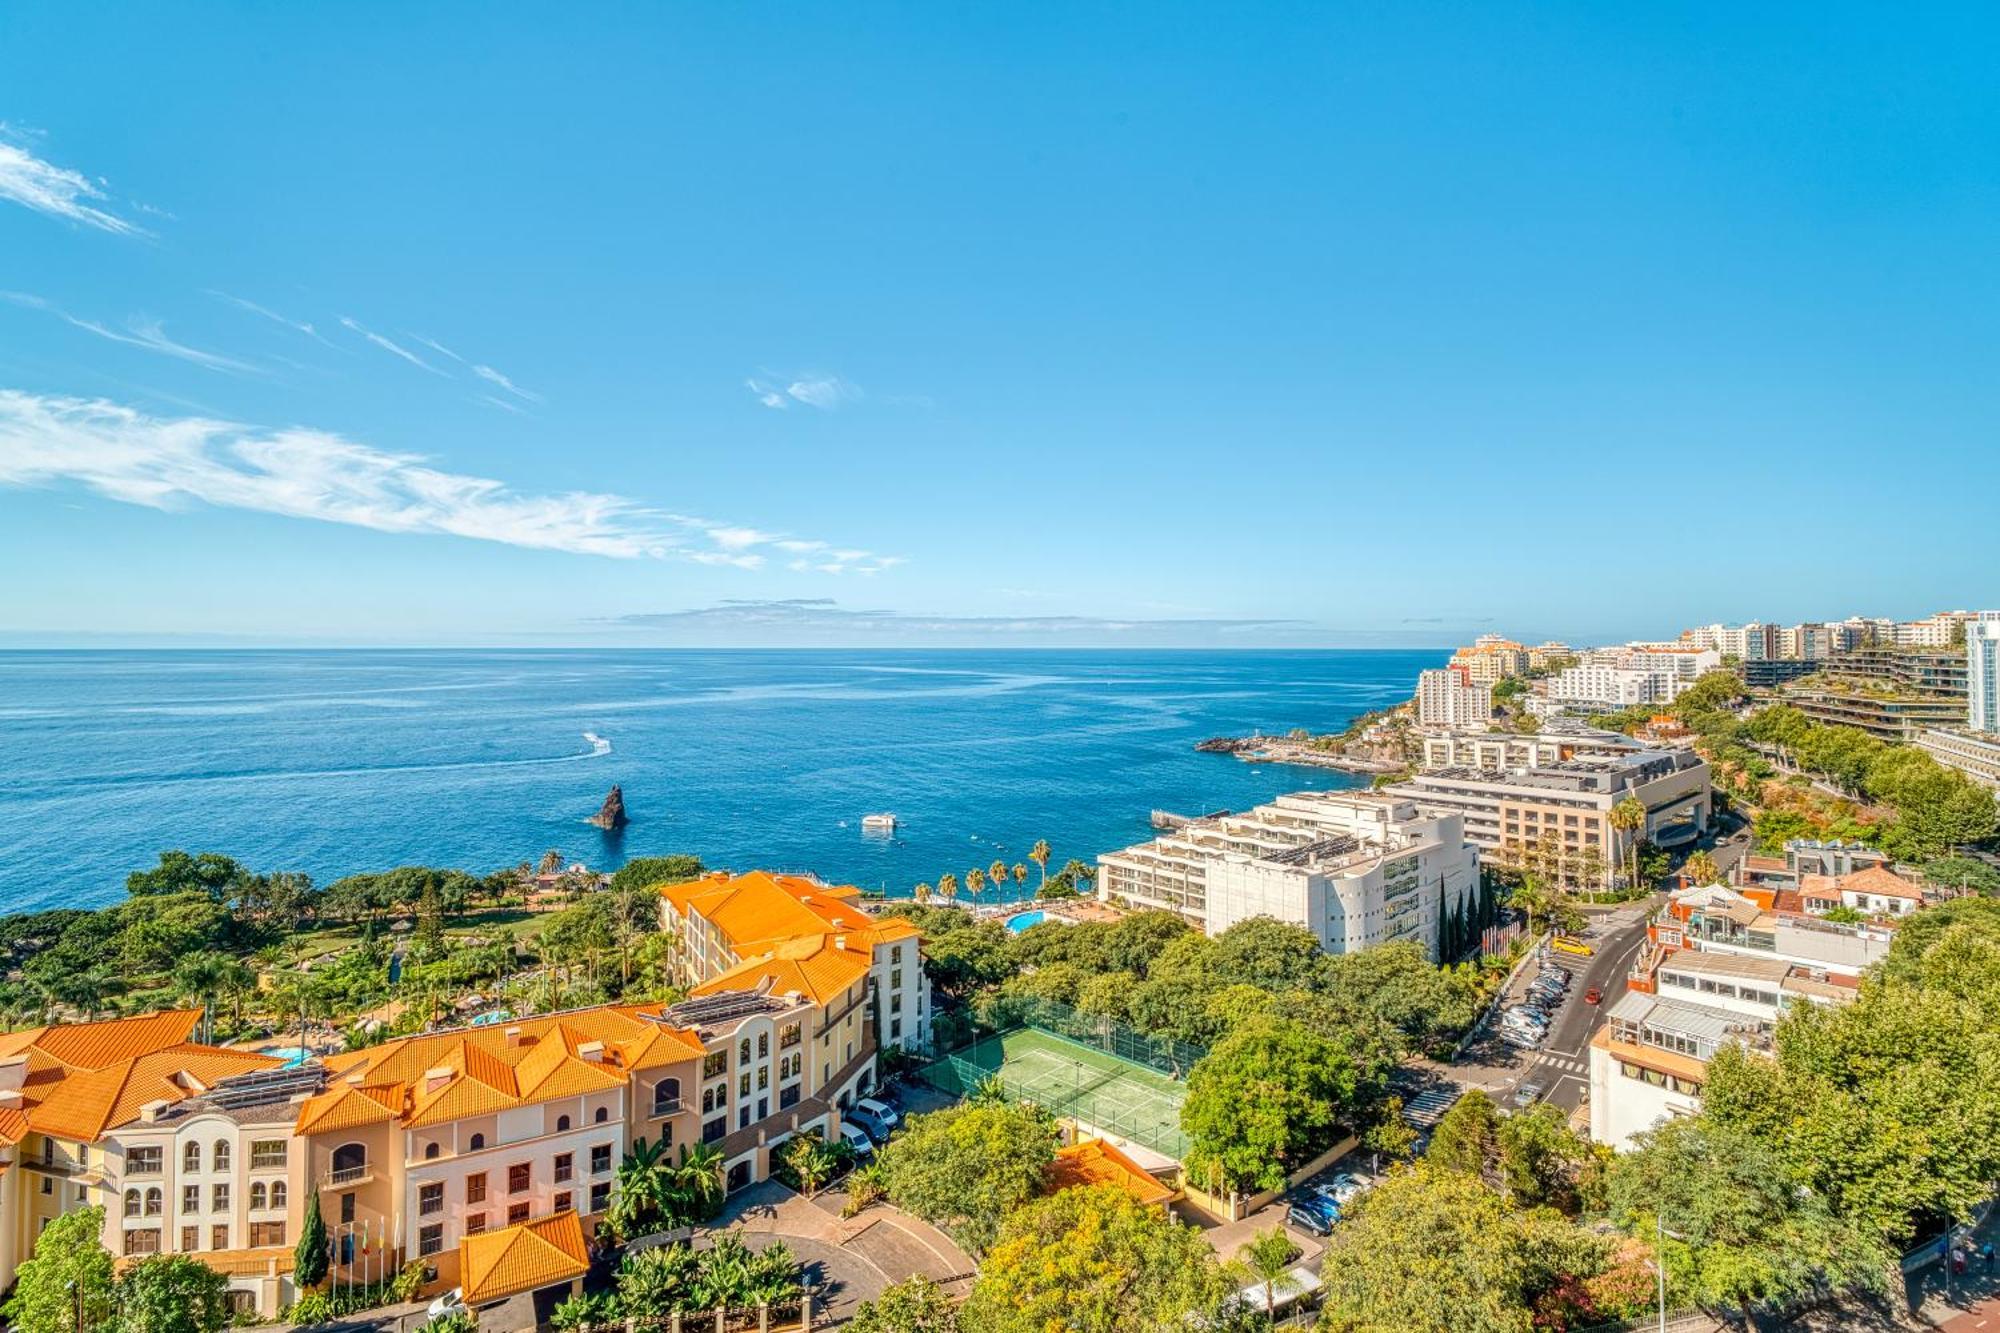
<point x="1097" y="1162"/>
<point x="524" y="1257"/>
<point x="85" y="1105"/>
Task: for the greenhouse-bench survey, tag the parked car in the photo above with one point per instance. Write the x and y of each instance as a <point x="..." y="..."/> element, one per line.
<point x="856" y="1138"/>
<point x="1314" y="1215"/>
<point x="1527" y="1094"/>
<point x="1570" y="944"/>
<point x="1521" y="1041"/>
<point x="881" y="1110"/>
<point x="870" y="1123"/>
<point x="1341" y="1189"/>
<point x="1524" y="1016"/>
<point x="450" y="1303"/>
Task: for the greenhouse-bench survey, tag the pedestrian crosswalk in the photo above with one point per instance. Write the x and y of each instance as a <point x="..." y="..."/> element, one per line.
<point x="1566" y="1064"/>
<point x="1427" y="1107"/>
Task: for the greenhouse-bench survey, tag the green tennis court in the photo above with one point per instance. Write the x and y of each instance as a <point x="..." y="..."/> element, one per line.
<point x="1079" y="1082"/>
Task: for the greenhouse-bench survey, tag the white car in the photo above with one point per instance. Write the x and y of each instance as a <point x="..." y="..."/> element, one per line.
<point x="856" y="1138"/>
<point x="885" y="1115"/>
<point x="451" y="1302"/>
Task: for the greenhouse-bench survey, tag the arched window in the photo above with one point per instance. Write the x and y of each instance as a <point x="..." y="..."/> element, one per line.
<point x="562" y="1123"/>
<point x="603" y="1114"/>
<point x="743" y="1051"/>
<point x="350" y="1163"/>
<point x="666" y="1096"/>
<point x="278" y="1193"/>
<point x="220" y="1161"/>
<point x="191" y="1157"/>
<point x="763" y="1045"/>
<point x="257" y="1194"/>
<point x="155" y="1201"/>
<point x="430" y="1151"/>
<point x="131" y="1203"/>
<point x="477" y="1142"/>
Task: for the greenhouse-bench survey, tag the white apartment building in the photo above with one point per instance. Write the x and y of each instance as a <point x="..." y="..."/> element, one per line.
<point x="1358" y="869"/>
<point x="1491" y="659"/>
<point x="1973" y="753"/>
<point x="1982" y="678"/>
<point x="1934" y="631"/>
<point x="1448" y="697"/>
<point x="1510" y="752"/>
<point x="1718" y="919"/>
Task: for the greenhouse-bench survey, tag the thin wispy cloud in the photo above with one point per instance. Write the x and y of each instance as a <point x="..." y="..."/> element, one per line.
<point x="810" y="556"/>
<point x="500" y="403"/>
<point x="296" y="325"/>
<point x="487" y="373"/>
<point x="57" y="191"/>
<point x="825" y="392"/>
<point x="139" y="331"/>
<point x="174" y="463"/>
<point x="393" y="348"/>
<point x="810" y="620"/>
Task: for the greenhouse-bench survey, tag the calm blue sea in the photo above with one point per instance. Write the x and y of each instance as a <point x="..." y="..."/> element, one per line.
<point x="336" y="762"/>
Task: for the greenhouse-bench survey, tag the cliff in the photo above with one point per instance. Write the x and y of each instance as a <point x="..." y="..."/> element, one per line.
<point x="611" y="815"/>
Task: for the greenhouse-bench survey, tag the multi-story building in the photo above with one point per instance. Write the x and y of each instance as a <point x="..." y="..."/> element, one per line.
<point x="1358" y="869"/>
<point x="723" y="923"/>
<point x="1973" y="753"/>
<point x="1761" y="923"/>
<point x="1649" y="1060"/>
<point x="1939" y="671"/>
<point x="1503" y="751"/>
<point x="1934" y="631"/>
<point x="1884" y="713"/>
<point x="1569" y="804"/>
<point x="1447" y="697"/>
<point x="1491" y="659"/>
<point x="173" y="1139"/>
<point x="1554" y="652"/>
<point x="1982" y="673"/>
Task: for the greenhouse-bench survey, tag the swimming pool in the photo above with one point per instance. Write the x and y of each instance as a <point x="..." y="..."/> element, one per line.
<point x="293" y="1056"/>
<point x="1020" y="921"/>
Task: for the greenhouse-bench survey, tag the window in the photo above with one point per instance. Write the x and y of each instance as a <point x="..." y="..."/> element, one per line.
<point x="142" y="1242"/>
<point x="896" y="979"/>
<point x="600" y="1159"/>
<point x="743" y="1051"/>
<point x="266" y="1233"/>
<point x="347" y="1206"/>
<point x="714" y="1063"/>
<point x="277" y="1194"/>
<point x="519" y="1177"/>
<point x="430" y="1239"/>
<point x="666" y="1096"/>
<point x="131" y="1203"/>
<point x="191" y="1158"/>
<point x="603" y="1114"/>
<point x="220" y="1160"/>
<point x="788" y="1096"/>
<point x="788" y="1035"/>
<point x="257" y="1194"/>
<point x="709" y="1099"/>
<point x="475" y="1143"/>
<point x="475" y="1187"/>
<point x="763" y="1046"/>
<point x="475" y="1223"/>
<point x="743" y="1084"/>
<point x="430" y="1151"/>
<point x="350" y="1163"/>
<point x="562" y="1202"/>
<point x="190" y="1198"/>
<point x="516" y="1212"/>
<point x="156" y="1202"/>
<point x="763" y="1077"/>
<point x="430" y="1198"/>
<point x="267" y="1155"/>
<point x="600" y="1196"/>
<point x="715" y="1129"/>
<point x="743" y="1117"/>
<point x="143" y="1161"/>
<point x="190" y="1239"/>
<point x="218" y="1200"/>
<point x="565" y="1166"/>
<point x="562" y="1123"/>
<point x="218" y="1236"/>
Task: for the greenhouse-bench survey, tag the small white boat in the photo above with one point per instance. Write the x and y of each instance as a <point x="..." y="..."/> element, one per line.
<point x="878" y="823"/>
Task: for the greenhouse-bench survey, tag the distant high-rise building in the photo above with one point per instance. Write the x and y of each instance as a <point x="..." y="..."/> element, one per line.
<point x="1449" y="697"/>
<point x="1982" y="672"/>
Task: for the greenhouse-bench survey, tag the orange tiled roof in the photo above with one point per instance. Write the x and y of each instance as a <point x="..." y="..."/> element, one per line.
<point x="1882" y="882"/>
<point x="817" y="966"/>
<point x="759" y="909"/>
<point x="524" y="1257"/>
<point x="485" y="1070"/>
<point x="85" y="1104"/>
<point x="1097" y="1162"/>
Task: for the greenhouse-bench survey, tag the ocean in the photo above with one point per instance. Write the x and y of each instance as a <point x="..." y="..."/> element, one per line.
<point x="334" y="762"/>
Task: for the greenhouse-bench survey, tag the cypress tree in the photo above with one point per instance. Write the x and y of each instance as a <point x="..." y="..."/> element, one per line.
<point x="309" y="1256"/>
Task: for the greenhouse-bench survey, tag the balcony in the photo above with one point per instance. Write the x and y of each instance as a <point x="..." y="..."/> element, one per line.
<point x="671" y="1106"/>
<point x="342" y="1176"/>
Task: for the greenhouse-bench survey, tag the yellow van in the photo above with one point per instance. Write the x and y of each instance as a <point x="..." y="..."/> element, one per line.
<point x="1571" y="944"/>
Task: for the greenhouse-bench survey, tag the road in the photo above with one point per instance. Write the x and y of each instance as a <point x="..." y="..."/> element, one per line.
<point x="1561" y="1066"/>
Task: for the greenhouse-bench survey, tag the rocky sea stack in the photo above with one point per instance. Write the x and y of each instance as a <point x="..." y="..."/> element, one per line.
<point x="611" y="815"/>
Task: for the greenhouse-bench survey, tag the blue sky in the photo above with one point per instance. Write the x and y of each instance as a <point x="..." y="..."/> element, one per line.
<point x="1015" y="324"/>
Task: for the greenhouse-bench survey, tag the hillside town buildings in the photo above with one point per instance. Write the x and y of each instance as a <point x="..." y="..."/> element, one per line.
<point x="1448" y="697"/>
<point x="1358" y="869"/>
<point x="1491" y="659"/>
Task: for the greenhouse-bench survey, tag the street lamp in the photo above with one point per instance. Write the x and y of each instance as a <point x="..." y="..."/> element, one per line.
<point x="1660" y="1233"/>
<point x="76" y="1303"/>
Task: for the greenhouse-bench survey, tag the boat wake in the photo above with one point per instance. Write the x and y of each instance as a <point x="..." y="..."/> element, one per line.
<point x="598" y="745"/>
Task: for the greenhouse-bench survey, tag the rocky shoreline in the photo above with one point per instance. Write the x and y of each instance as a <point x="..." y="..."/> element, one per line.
<point x="1283" y="750"/>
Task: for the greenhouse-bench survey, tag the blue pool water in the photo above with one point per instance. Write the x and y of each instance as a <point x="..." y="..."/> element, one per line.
<point x="293" y="1056"/>
<point x="333" y="762"/>
<point x="1020" y="921"/>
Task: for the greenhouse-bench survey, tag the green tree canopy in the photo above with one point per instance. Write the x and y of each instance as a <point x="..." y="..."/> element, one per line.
<point x="966" y="1167"/>
<point x="172" y="1293"/>
<point x="647" y="872"/>
<point x="69" y="1262"/>
<point x="1266" y="1099"/>
<point x="914" y="1305"/>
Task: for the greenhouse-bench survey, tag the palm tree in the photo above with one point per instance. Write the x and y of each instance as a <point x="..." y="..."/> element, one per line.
<point x="1701" y="869"/>
<point x="922" y="893"/>
<point x="996" y="874"/>
<point x="975" y="880"/>
<point x="236" y="980"/>
<point x="701" y="1177"/>
<point x="948" y="887"/>
<point x="1020" y="874"/>
<point x="641" y="1196"/>
<point x="1040" y="854"/>
<point x="1267" y="1257"/>
<point x="198" y="977"/>
<point x="1590" y="868"/>
<point x="1628" y="817"/>
<point x="551" y="861"/>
